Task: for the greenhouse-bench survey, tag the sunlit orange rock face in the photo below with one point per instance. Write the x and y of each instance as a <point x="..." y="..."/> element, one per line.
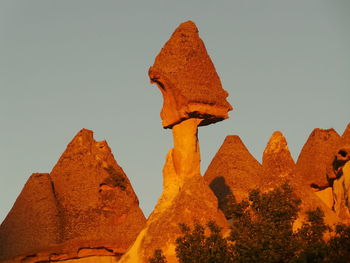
<point x="193" y="97"/>
<point x="85" y="207"/>
<point x="233" y="171"/>
<point x="188" y="80"/>
<point x="316" y="155"/>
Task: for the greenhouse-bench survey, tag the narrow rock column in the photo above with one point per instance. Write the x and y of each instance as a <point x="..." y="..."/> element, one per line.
<point x="186" y="155"/>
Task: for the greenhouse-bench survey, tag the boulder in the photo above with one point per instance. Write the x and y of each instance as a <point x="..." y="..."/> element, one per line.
<point x="187" y="78"/>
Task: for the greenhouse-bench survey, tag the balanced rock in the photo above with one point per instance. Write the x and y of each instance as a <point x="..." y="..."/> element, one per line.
<point x="187" y="78"/>
<point x="84" y="210"/>
<point x="192" y="96"/>
<point x="316" y="155"/>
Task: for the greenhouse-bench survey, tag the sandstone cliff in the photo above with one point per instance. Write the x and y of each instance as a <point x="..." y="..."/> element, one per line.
<point x="85" y="207"/>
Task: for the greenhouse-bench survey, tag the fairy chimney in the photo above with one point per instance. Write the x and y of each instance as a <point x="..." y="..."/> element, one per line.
<point x="187" y="78"/>
<point x="193" y="97"/>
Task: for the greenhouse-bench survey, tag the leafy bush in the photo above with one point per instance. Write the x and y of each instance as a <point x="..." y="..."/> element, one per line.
<point x="195" y="247"/>
<point x="262" y="231"/>
<point x="158" y="257"/>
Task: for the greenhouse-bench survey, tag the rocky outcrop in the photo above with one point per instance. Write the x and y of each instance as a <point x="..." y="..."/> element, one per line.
<point x="192" y="96"/>
<point x="279" y="167"/>
<point x="278" y="164"/>
<point x="186" y="198"/>
<point x="84" y="208"/>
<point x="346" y="135"/>
<point x="233" y="171"/>
<point x="316" y="155"/>
<point x="187" y="78"/>
<point x="33" y="223"/>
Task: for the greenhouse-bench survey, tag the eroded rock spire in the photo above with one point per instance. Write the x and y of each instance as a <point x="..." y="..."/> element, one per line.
<point x="193" y="96"/>
<point x="188" y="80"/>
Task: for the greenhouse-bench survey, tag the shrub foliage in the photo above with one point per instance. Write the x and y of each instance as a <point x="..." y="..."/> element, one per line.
<point x="262" y="231"/>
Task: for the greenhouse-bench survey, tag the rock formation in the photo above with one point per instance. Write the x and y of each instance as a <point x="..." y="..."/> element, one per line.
<point x="32" y="224"/>
<point x="233" y="171"/>
<point x="316" y="155"/>
<point x="346" y="135"/>
<point x="278" y="164"/>
<point x="339" y="181"/>
<point x="187" y="78"/>
<point x="85" y="207"/>
<point x="192" y="96"/>
<point x="279" y="167"/>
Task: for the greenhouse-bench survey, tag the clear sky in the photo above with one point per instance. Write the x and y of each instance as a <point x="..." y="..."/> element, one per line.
<point x="67" y="65"/>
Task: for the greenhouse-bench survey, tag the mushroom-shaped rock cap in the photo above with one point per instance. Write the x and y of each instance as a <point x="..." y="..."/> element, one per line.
<point x="188" y="80"/>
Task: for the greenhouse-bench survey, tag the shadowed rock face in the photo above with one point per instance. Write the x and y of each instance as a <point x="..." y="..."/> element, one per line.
<point x="316" y="155"/>
<point x="187" y="78"/>
<point x="233" y="170"/>
<point x="85" y="207"/>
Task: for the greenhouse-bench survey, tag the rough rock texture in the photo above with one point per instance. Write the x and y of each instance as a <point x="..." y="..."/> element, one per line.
<point x="187" y="79"/>
<point x="346" y="135"/>
<point x="188" y="203"/>
<point x="278" y="165"/>
<point x="233" y="170"/>
<point x="341" y="182"/>
<point x="87" y="204"/>
<point x="316" y="155"/>
<point x="32" y="223"/>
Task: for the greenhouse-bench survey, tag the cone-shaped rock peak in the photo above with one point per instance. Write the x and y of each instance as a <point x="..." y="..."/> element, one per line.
<point x="233" y="170"/>
<point x="194" y="203"/>
<point x="32" y="224"/>
<point x="188" y="80"/>
<point x="346" y="135"/>
<point x="277" y="160"/>
<point x="316" y="155"/>
<point x="85" y="207"/>
<point x="97" y="204"/>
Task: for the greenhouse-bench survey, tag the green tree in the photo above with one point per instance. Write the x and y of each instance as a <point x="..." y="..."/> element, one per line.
<point x="158" y="257"/>
<point x="338" y="247"/>
<point x="262" y="228"/>
<point x="262" y="231"/>
<point x="195" y="247"/>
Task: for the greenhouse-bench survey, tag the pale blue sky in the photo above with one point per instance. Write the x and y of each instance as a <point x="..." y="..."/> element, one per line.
<point x="67" y="65"/>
